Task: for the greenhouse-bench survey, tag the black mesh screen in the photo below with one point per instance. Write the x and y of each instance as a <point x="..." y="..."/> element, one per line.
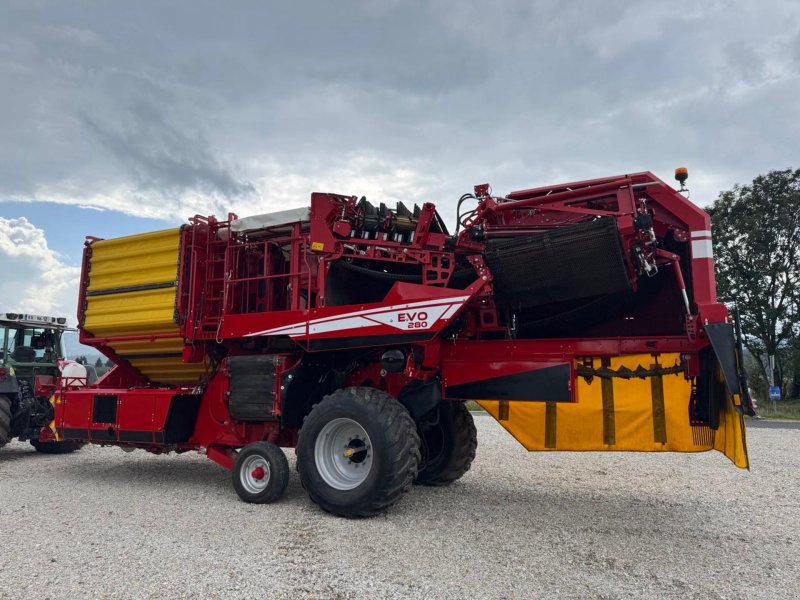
<point x="252" y="387"/>
<point x="568" y="263"/>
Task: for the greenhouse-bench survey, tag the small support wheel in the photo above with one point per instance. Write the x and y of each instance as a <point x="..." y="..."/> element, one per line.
<point x="260" y="473"/>
<point x="53" y="447"/>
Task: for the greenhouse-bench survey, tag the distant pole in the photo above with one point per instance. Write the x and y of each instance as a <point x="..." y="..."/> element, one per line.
<point x="771" y="369"/>
<point x="771" y="376"/>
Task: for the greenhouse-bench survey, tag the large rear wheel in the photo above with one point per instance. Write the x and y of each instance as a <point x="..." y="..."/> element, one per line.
<point x="358" y="452"/>
<point x="5" y="420"/>
<point x="449" y="440"/>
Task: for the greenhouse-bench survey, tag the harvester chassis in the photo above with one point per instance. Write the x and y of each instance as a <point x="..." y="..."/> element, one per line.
<point x="581" y="316"/>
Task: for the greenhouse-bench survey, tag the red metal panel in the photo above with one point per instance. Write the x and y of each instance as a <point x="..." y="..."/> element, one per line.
<point x="137" y="411"/>
<point x="408" y="308"/>
<point x="477" y="368"/>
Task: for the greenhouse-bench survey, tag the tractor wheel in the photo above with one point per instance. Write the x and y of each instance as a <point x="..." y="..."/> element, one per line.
<point x="5" y="420"/>
<point x="358" y="452"/>
<point x="449" y="440"/>
<point x="56" y="447"/>
<point x="260" y="473"/>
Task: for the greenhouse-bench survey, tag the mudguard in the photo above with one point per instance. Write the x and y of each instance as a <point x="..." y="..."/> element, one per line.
<point x="9" y="385"/>
<point x="729" y="359"/>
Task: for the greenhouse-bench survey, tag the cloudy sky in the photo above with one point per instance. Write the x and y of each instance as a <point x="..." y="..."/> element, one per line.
<point x="122" y="117"/>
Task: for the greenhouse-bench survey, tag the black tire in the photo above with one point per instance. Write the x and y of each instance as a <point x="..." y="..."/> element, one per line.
<point x="5" y="420"/>
<point x="259" y="455"/>
<point x="448" y="444"/>
<point x="56" y="447"/>
<point x="392" y="441"/>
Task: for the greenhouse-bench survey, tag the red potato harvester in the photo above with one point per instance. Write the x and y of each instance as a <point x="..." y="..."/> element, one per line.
<point x="580" y="316"/>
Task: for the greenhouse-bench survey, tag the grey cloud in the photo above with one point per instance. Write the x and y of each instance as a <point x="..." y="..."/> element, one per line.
<point x="186" y="99"/>
<point x="160" y="155"/>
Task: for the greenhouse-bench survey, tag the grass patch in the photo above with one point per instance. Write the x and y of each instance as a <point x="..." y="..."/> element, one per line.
<point x="786" y="409"/>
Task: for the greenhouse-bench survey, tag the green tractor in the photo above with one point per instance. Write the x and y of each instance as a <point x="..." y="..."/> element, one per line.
<point x="31" y="361"/>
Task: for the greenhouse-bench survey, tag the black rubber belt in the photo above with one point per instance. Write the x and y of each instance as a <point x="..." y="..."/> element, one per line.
<point x="607" y="387"/>
<point x="550" y="414"/>
<point x="133" y="288"/>
<point x="156" y="355"/>
<point x="659" y="414"/>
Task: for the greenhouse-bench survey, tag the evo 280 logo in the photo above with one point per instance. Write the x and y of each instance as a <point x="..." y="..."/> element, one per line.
<point x="413" y="320"/>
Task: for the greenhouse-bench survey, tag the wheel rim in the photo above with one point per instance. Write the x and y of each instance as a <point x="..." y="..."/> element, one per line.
<point x="254" y="474"/>
<point x="343" y="454"/>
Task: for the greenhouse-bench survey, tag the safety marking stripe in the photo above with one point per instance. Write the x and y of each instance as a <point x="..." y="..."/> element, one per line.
<point x="701" y="234"/>
<point x="607" y="387"/>
<point x="702" y="249"/>
<point x="550" y="414"/>
<point x="659" y="414"/>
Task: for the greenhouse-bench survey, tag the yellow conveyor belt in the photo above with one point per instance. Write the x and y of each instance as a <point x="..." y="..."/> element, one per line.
<point x="131" y="292"/>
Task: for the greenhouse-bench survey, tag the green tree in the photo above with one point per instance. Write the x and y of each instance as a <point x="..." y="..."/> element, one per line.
<point x="98" y="363"/>
<point x="756" y="230"/>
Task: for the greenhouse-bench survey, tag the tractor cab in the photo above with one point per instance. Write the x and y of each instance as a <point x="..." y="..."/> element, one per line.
<point x="31" y="352"/>
<point x="31" y="346"/>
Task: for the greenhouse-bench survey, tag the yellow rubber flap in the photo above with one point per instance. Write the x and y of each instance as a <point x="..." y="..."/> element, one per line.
<point x="643" y="415"/>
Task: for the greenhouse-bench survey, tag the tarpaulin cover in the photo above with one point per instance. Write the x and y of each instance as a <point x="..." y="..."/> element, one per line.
<point x="132" y="285"/>
<point x="613" y="414"/>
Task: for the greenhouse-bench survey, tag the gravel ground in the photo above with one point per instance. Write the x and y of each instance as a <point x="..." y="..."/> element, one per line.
<point x="106" y="524"/>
